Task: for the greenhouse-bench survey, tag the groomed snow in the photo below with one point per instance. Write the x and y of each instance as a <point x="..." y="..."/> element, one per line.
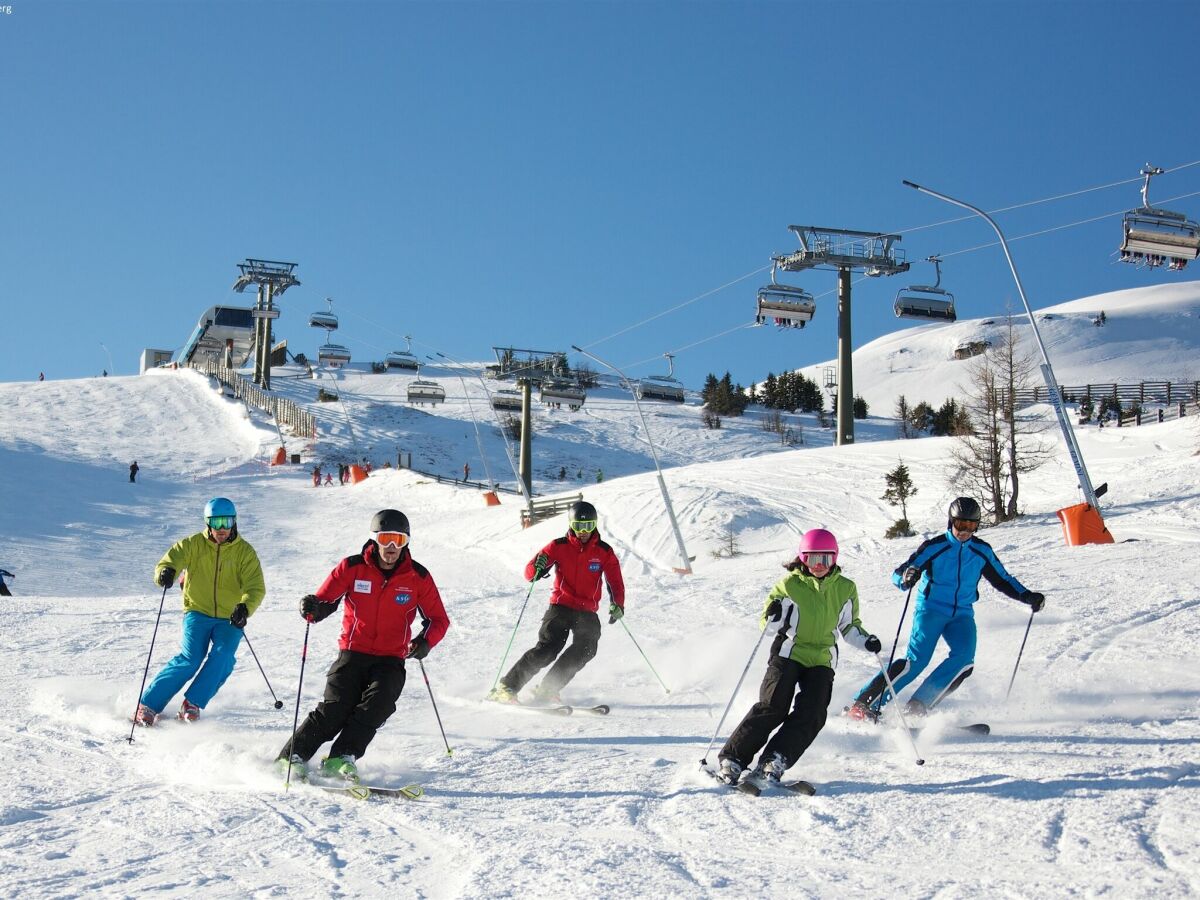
<point x="1087" y="786"/>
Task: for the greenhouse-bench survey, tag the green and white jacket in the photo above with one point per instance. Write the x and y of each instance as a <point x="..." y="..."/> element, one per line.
<point x="815" y="612"/>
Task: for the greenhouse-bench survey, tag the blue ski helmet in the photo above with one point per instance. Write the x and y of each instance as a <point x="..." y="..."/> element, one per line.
<point x="219" y="506"/>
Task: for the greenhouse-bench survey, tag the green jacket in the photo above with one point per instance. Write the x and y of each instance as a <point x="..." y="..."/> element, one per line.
<point x="815" y="612"/>
<point x="219" y="576"/>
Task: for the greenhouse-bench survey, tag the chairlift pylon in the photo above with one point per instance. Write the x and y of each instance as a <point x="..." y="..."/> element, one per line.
<point x="925" y="301"/>
<point x="785" y="305"/>
<point x="326" y="320"/>
<point x="1158" y="237"/>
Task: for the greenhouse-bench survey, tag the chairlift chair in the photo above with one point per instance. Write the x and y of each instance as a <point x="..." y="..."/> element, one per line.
<point x="333" y="355"/>
<point x="786" y="305"/>
<point x="506" y="398"/>
<point x="326" y="320"/>
<point x="557" y="391"/>
<point x="1158" y="237"/>
<point x="403" y="359"/>
<point x="924" y="301"/>
<point x="425" y="392"/>
<point x="661" y="387"/>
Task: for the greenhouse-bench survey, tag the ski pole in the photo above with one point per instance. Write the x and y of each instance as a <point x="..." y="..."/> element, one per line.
<point x="278" y="702"/>
<point x="899" y="625"/>
<point x="1019" y="652"/>
<point x="296" y="719"/>
<point x="903" y="721"/>
<point x="146" y="673"/>
<point x="429" y="688"/>
<point x="737" y="687"/>
<point x="512" y="636"/>
<point x="639" y="650"/>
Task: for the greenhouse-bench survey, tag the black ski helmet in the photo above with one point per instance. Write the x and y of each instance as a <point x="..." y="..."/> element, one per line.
<point x="963" y="508"/>
<point x="390" y="520"/>
<point x="581" y="511"/>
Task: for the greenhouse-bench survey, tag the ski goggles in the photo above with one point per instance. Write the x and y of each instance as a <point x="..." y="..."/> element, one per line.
<point x="219" y="523"/>
<point x="964" y="525"/>
<point x="391" y="538"/>
<point x="819" y="559"/>
<point x="583" y="526"/>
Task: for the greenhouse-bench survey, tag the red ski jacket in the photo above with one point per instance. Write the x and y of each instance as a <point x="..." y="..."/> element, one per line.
<point x="579" y="566"/>
<point x="381" y="605"/>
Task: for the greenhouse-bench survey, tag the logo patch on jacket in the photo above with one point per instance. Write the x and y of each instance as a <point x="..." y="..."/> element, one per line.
<point x="362" y="586"/>
<point x="403" y="598"/>
<point x="594" y="565"/>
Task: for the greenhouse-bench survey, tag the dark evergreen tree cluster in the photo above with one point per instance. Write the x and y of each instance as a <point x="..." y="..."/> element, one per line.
<point x="723" y="397"/>
<point x="951" y="418"/>
<point x="791" y="391"/>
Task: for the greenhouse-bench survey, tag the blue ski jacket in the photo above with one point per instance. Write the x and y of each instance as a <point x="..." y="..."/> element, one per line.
<point x="950" y="573"/>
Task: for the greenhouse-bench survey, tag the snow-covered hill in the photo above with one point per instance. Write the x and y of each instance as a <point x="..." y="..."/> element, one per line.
<point x="1087" y="785"/>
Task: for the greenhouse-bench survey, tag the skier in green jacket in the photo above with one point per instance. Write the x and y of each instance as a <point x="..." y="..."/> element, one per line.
<point x="224" y="587"/>
<point x="811" y="606"/>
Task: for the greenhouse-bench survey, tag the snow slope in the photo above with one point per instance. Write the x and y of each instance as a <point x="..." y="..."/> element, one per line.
<point x="1087" y="786"/>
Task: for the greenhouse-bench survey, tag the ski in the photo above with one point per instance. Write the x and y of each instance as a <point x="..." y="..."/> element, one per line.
<point x="754" y="787"/>
<point x="976" y="728"/>
<point x="745" y="787"/>
<point x="366" y="791"/>
<point x="561" y="710"/>
<point x="800" y="787"/>
<point x="602" y="709"/>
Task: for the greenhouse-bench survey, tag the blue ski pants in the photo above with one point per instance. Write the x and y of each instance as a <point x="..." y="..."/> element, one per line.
<point x="209" y="647"/>
<point x="958" y="631"/>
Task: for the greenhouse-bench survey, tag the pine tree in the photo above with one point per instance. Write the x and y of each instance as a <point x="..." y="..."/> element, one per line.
<point x="899" y="490"/>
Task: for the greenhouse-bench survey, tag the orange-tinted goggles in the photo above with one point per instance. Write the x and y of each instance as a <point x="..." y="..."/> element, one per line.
<point x="964" y="525"/>
<point x="391" y="538"/>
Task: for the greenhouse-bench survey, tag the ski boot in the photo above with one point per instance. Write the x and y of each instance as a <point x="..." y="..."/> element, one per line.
<point x="145" y="716"/>
<point x="546" y="696"/>
<point x="501" y="693"/>
<point x="771" y="770"/>
<point x="861" y="712"/>
<point x="189" y="712"/>
<point x="730" y="771"/>
<point x="294" y="769"/>
<point x="916" y="709"/>
<point x="340" y="767"/>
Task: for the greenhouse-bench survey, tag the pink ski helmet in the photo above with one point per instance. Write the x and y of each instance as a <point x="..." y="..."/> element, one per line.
<point x="818" y="540"/>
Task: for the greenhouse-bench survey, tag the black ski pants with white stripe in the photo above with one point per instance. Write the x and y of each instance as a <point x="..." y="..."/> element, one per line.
<point x="797" y="728"/>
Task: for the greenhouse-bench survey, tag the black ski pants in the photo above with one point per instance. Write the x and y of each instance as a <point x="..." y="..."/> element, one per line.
<point x="361" y="691"/>
<point x="559" y="623"/>
<point x="798" y="728"/>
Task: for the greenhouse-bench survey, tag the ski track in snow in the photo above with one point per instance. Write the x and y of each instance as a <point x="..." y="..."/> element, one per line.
<point x="1087" y="786"/>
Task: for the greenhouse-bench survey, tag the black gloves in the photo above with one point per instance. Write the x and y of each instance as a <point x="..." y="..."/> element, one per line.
<point x="239" y="616"/>
<point x="910" y="577"/>
<point x="774" y="611"/>
<point x="313" y="610"/>
<point x="872" y="644"/>
<point x="614" y="612"/>
<point x="1035" y="600"/>
<point x="541" y="566"/>
<point x="166" y="577"/>
<point x="419" y="648"/>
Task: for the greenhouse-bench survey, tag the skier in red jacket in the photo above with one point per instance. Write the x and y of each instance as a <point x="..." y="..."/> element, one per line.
<point x="384" y="589"/>
<point x="582" y="563"/>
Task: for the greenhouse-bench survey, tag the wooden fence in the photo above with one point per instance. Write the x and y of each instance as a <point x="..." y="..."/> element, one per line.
<point x="299" y="422"/>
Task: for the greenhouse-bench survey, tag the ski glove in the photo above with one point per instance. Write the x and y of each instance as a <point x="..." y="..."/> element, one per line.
<point x="313" y="610"/>
<point x="1035" y="600"/>
<point x="239" y="616"/>
<point x="872" y="644"/>
<point x="614" y="612"/>
<point x="166" y="577"/>
<point x="910" y="577"/>
<point x="774" y="611"/>
<point x="541" y="566"/>
<point x="419" y="648"/>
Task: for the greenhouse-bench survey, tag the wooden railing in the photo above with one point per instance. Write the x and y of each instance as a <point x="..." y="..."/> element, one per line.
<point x="300" y="422"/>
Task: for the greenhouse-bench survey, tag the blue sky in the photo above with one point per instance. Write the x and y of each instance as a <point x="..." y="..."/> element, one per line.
<point x="547" y="174"/>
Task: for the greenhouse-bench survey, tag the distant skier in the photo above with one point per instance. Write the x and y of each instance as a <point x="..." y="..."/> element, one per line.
<point x="812" y="605"/>
<point x="328" y="478"/>
<point x="946" y="571"/>
<point x="582" y="563"/>
<point x="316" y="476"/>
<point x="4" y="591"/>
<point x="223" y="588"/>
<point x="133" y="470"/>
<point x="41" y="376"/>
<point x="385" y="589"/>
<point x="466" y="471"/>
